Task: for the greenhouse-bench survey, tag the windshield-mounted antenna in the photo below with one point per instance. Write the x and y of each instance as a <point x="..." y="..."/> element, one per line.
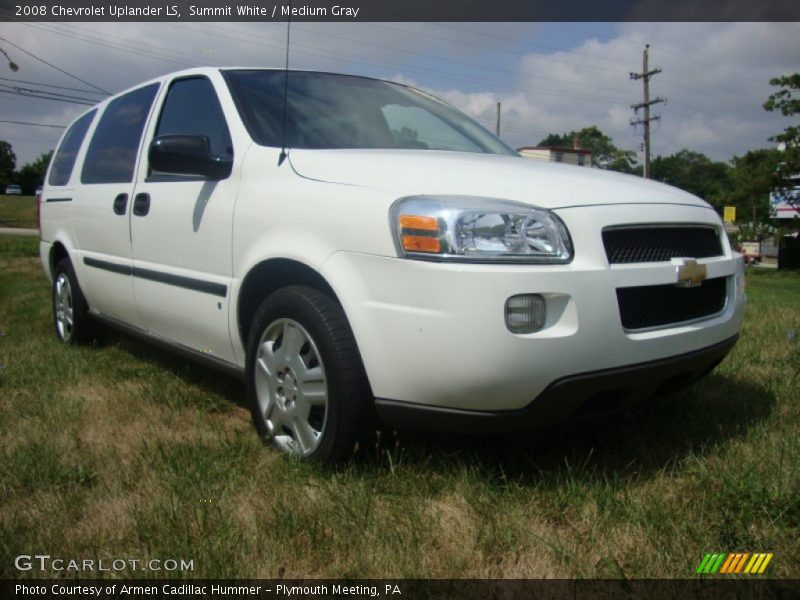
<point x="283" y="154"/>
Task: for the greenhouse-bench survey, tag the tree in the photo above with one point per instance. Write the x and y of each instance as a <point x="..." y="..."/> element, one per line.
<point x="753" y="232"/>
<point x="752" y="178"/>
<point x="604" y="153"/>
<point x="553" y="139"/>
<point x="695" y="173"/>
<point x="32" y="174"/>
<point x="786" y="101"/>
<point x="8" y="162"/>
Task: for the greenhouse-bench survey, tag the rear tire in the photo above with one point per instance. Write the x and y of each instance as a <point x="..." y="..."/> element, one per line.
<point x="306" y="385"/>
<point x="70" y="310"/>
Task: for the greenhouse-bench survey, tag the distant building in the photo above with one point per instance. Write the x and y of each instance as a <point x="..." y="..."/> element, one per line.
<point x="786" y="204"/>
<point x="571" y="156"/>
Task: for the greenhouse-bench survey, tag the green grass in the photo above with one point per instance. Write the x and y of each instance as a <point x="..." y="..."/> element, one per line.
<point x="122" y="451"/>
<point x="18" y="211"/>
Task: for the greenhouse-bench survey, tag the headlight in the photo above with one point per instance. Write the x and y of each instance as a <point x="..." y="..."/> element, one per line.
<point x="473" y="229"/>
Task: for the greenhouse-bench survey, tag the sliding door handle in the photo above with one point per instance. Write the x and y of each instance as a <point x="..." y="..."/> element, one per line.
<point x="141" y="204"/>
<point x="120" y="204"/>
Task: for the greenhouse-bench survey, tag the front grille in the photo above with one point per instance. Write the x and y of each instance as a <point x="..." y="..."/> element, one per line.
<point x="659" y="244"/>
<point x="658" y="305"/>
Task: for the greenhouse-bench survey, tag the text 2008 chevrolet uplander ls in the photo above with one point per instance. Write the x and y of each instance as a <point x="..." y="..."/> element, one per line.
<point x="401" y="262"/>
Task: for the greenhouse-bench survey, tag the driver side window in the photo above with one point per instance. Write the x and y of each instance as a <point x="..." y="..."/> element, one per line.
<point x="192" y="108"/>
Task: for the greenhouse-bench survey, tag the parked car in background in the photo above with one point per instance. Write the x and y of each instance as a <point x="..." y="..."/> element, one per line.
<point x="751" y="251"/>
<point x="373" y="256"/>
<point x="13" y="190"/>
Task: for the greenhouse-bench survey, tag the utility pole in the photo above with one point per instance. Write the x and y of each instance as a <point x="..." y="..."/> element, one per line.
<point x="497" y="126"/>
<point x="645" y="76"/>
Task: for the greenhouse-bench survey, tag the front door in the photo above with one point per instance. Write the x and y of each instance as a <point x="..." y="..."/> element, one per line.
<point x="181" y="230"/>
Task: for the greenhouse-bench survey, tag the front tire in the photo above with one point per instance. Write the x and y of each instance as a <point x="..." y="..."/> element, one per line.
<point x="70" y="310"/>
<point x="306" y="385"/>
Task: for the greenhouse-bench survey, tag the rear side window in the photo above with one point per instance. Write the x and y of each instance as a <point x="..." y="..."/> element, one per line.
<point x="111" y="156"/>
<point x="192" y="108"/>
<point x="64" y="159"/>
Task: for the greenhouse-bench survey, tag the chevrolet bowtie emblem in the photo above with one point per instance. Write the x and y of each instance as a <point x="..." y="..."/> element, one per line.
<point x="690" y="274"/>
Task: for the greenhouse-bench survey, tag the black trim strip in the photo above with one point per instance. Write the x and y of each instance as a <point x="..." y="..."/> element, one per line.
<point x="198" y="285"/>
<point x="58" y="200"/>
<point x="209" y="287"/>
<point x="107" y="266"/>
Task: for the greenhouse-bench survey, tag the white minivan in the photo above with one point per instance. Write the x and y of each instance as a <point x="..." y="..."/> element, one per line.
<point x="361" y="253"/>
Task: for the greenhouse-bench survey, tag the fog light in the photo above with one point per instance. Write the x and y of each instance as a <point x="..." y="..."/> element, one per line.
<point x="525" y="313"/>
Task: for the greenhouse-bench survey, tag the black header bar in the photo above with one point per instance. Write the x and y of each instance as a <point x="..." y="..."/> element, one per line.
<point x="399" y="10"/>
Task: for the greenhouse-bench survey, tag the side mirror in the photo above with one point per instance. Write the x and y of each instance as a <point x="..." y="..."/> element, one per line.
<point x="187" y="155"/>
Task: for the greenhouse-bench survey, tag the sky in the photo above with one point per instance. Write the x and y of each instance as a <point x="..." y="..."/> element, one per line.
<point x="548" y="77"/>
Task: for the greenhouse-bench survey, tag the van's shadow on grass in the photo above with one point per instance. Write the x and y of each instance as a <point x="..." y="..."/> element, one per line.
<point x="228" y="387"/>
<point x="653" y="438"/>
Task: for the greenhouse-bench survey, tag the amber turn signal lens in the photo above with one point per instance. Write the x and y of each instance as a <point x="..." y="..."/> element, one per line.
<point x="421" y="243"/>
<point x="420" y="223"/>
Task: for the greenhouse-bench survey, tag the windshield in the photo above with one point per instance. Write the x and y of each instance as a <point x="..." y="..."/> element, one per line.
<point x="325" y="110"/>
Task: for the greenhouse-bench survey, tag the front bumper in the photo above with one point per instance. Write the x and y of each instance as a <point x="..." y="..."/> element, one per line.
<point x="571" y="399"/>
<point x="433" y="334"/>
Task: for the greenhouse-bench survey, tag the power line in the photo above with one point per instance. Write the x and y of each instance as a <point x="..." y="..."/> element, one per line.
<point x="499" y="50"/>
<point x="703" y="64"/>
<point x="60" y="70"/>
<point x="534" y="45"/>
<point x="33" y="124"/>
<point x="58" y="87"/>
<point x="326" y="54"/>
<point x="18" y="93"/>
<point x="23" y="90"/>
<point x="122" y="47"/>
<point x="40" y="141"/>
<point x="661" y="49"/>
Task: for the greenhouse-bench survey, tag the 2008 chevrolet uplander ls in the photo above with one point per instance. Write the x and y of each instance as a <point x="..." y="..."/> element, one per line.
<point x="397" y="261"/>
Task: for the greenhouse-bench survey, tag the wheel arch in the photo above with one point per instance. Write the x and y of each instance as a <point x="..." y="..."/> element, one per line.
<point x="268" y="276"/>
<point x="58" y="252"/>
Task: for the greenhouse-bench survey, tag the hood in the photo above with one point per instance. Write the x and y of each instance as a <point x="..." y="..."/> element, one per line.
<point x="429" y="172"/>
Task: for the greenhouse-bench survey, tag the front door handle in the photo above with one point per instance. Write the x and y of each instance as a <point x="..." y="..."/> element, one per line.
<point x="141" y="204"/>
<point x="120" y="204"/>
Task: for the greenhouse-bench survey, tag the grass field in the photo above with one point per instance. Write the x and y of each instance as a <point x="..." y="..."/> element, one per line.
<point x="121" y="451"/>
<point x="18" y="211"/>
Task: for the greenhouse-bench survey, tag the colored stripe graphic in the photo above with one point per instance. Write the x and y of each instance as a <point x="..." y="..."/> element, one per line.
<point x="727" y="564"/>
<point x="708" y="564"/>
<point x="754" y="562"/>
<point x="703" y="563"/>
<point x="765" y="563"/>
<point x="734" y="562"/>
<point x="730" y="564"/>
<point x="740" y="564"/>
<point x="718" y="564"/>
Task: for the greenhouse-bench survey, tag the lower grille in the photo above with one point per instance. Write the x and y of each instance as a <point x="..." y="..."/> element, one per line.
<point x="659" y="305"/>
